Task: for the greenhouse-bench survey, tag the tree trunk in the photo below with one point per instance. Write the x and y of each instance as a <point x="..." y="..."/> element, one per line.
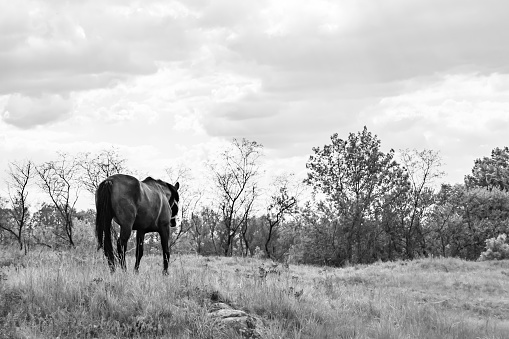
<point x="267" y="242"/>
<point x="68" y="229"/>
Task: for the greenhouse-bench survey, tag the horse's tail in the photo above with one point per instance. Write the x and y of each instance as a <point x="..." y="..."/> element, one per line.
<point x="103" y="220"/>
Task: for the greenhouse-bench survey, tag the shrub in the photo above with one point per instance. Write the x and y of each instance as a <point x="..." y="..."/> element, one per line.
<point x="496" y="249"/>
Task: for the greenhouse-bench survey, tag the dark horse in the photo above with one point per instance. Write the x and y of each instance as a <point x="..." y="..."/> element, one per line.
<point x="145" y="206"/>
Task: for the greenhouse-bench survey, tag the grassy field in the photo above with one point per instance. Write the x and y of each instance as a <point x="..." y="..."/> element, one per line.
<point x="72" y="295"/>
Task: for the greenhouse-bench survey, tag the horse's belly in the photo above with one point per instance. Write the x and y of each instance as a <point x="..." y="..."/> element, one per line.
<point x="146" y="226"/>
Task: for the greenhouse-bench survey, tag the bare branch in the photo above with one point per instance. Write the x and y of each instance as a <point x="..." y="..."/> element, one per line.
<point x="97" y="167"/>
<point x="60" y="180"/>
<point x="236" y="183"/>
<point x="19" y="177"/>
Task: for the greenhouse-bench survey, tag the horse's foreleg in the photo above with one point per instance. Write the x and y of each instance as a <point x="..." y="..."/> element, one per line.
<point x="121" y="249"/>
<point x="165" y="235"/>
<point x="140" y="237"/>
<point x="120" y="252"/>
<point x="111" y="263"/>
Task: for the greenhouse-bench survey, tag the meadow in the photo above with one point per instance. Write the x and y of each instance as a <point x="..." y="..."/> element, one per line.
<point x="72" y="294"/>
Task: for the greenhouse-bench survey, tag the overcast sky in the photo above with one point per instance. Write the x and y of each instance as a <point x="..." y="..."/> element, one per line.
<point x="168" y="81"/>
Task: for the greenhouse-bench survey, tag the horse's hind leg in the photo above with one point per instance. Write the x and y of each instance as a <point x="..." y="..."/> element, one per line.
<point x="165" y="236"/>
<point x="140" y="237"/>
<point x="125" y="216"/>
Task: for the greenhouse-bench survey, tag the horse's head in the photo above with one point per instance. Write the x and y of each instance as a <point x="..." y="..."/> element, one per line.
<point x="174" y="203"/>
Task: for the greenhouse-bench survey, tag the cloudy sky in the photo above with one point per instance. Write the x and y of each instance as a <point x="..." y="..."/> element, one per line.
<point x="168" y="81"/>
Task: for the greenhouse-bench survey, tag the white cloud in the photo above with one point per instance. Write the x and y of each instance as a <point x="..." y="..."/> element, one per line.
<point x="189" y="122"/>
<point x="28" y="111"/>
<point x="174" y="76"/>
<point x="463" y="116"/>
<point x="61" y="46"/>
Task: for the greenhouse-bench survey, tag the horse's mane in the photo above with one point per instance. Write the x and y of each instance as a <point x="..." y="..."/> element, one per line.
<point x="150" y="179"/>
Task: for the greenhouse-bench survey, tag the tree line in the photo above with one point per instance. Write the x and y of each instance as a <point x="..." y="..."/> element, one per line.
<point x="62" y="180"/>
<point x="364" y="205"/>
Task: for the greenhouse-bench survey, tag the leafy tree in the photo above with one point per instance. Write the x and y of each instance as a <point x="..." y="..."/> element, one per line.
<point x="46" y="227"/>
<point x="496" y="249"/>
<point x="358" y="179"/>
<point x="321" y="237"/>
<point x="198" y="232"/>
<point x="485" y="215"/>
<point x="88" y="216"/>
<point x="5" y="220"/>
<point x="445" y="220"/>
<point x="211" y="221"/>
<point x="463" y="218"/>
<point x="492" y="172"/>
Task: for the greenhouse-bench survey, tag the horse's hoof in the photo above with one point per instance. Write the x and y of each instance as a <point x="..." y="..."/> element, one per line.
<point x="165" y="272"/>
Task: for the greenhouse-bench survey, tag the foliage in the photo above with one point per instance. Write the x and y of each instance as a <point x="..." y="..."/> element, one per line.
<point x="358" y="181"/>
<point x="365" y="207"/>
<point x="203" y="233"/>
<point x="496" y="248"/>
<point x="320" y="239"/>
<point x="464" y="218"/>
<point x="492" y="172"/>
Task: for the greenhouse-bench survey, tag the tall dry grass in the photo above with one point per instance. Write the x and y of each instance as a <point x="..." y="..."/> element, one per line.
<point x="72" y="295"/>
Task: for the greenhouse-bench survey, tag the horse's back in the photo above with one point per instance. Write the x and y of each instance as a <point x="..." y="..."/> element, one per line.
<point x="139" y="203"/>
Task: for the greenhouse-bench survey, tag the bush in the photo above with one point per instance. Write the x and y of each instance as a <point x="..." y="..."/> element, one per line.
<point x="496" y="249"/>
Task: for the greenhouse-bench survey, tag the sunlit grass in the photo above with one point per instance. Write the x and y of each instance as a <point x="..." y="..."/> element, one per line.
<point x="72" y="294"/>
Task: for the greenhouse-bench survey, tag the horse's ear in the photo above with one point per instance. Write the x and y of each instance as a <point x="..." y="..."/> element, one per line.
<point x="177" y="185"/>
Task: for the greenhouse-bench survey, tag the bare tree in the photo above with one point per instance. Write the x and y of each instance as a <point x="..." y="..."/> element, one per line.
<point x="99" y="166"/>
<point x="19" y="176"/>
<point x="282" y="203"/>
<point x="246" y="227"/>
<point x="60" y="180"/>
<point x="190" y="196"/>
<point x="235" y="178"/>
<point x="423" y="168"/>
